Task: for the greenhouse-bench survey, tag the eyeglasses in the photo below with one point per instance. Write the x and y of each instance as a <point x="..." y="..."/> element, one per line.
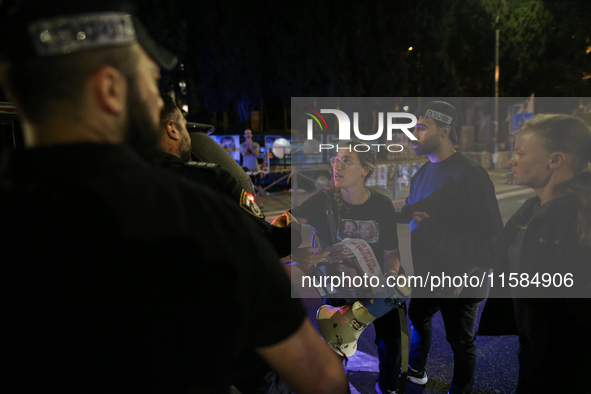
<point x="341" y="164"/>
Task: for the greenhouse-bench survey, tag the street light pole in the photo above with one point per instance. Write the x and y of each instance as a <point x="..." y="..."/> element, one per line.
<point x="496" y="122"/>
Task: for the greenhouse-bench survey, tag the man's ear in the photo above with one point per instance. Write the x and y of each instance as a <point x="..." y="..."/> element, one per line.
<point x="445" y="130"/>
<point x="110" y="88"/>
<point x="557" y="160"/>
<point x="171" y="131"/>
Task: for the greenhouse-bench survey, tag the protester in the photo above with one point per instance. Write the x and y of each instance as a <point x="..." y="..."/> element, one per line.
<point x="550" y="234"/>
<point x="120" y="277"/>
<point x="460" y="193"/>
<point x="250" y="152"/>
<point x="353" y="201"/>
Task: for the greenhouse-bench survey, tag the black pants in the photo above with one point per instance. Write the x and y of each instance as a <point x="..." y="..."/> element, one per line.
<point x="459" y="318"/>
<point x="554" y="345"/>
<point x="388" y="342"/>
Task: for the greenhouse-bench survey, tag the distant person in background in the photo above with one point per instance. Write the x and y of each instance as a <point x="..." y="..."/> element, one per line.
<point x="250" y="153"/>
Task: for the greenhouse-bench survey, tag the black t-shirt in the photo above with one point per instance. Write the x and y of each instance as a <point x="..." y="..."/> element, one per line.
<point x="374" y="221"/>
<point x="121" y="278"/>
<point x="459" y="193"/>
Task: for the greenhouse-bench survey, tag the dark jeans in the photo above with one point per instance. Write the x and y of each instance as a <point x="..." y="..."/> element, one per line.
<point x="459" y="318"/>
<point x="388" y="342"/>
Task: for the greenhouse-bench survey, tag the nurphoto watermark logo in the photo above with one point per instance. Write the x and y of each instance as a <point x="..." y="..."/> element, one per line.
<point x="344" y="127"/>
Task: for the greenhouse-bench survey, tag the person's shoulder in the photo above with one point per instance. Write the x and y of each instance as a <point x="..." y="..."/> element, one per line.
<point x="421" y="169"/>
<point x="186" y="192"/>
<point x="563" y="206"/>
<point x="468" y="163"/>
<point x="202" y="166"/>
<point x="379" y="198"/>
<point x="211" y="170"/>
<point x="471" y="167"/>
<point x="424" y="166"/>
<point x="320" y="195"/>
<point x="316" y="201"/>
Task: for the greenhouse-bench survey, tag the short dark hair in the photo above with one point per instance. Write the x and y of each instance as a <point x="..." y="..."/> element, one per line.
<point x="169" y="111"/>
<point x="37" y="84"/>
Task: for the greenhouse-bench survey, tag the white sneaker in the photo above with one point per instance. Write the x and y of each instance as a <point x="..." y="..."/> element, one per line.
<point x="417" y="377"/>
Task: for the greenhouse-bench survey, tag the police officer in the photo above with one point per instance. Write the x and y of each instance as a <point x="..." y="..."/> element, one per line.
<point x="175" y="142"/>
<point x="251" y="374"/>
<point x="110" y="266"/>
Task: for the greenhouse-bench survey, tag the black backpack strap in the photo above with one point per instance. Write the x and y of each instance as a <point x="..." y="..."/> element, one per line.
<point x="330" y="215"/>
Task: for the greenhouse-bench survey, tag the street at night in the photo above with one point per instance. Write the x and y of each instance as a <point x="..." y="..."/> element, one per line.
<point x="174" y="172"/>
<point x="497" y="366"/>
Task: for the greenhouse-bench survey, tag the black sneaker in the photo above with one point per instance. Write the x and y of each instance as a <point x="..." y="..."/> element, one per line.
<point x="417" y="377"/>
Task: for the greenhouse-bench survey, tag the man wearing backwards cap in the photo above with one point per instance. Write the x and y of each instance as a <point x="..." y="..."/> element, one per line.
<point x="116" y="289"/>
<point x="460" y="194"/>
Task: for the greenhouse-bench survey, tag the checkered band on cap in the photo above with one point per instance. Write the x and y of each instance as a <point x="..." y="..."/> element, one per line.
<point x="443" y="112"/>
<point x="63" y="35"/>
<point x="438" y="116"/>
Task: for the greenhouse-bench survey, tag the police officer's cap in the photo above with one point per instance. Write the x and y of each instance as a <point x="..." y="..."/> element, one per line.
<point x="43" y="28"/>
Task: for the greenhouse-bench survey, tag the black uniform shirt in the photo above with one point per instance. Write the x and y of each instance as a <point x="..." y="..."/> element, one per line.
<point x="215" y="177"/>
<point x="120" y="278"/>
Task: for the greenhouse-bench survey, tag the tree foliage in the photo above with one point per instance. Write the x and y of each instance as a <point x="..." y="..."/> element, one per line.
<point x="238" y="54"/>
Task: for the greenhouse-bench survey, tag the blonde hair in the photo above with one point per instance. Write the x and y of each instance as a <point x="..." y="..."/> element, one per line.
<point x="568" y="134"/>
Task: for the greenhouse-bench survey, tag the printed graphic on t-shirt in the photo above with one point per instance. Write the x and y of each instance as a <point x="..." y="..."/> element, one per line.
<point x="367" y="230"/>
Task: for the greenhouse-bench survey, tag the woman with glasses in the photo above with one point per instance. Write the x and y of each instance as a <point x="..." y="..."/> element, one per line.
<point x="352" y="201"/>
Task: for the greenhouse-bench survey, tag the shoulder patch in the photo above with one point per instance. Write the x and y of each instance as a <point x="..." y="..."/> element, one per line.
<point x="250" y="206"/>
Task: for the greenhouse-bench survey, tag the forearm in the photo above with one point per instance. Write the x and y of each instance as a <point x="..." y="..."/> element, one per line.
<point x="283" y="238"/>
<point x="306" y="363"/>
<point x="403" y="215"/>
<point x="250" y="151"/>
